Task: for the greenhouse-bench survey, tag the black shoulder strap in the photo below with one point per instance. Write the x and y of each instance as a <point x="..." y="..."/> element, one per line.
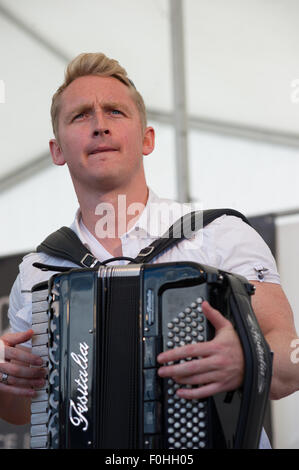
<point x="184" y="227"/>
<point x="64" y="243"/>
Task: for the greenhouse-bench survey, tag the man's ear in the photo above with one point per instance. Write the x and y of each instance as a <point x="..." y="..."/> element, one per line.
<point x="56" y="152"/>
<point x="148" y="141"/>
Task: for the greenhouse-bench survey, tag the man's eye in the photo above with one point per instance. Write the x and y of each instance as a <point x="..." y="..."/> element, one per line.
<point x="116" y="111"/>
<point x="78" y="116"/>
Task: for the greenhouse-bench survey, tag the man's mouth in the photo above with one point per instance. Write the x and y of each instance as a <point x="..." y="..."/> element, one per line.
<point x="102" y="149"/>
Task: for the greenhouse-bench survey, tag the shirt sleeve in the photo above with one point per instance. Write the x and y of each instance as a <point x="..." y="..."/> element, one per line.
<point x="241" y="250"/>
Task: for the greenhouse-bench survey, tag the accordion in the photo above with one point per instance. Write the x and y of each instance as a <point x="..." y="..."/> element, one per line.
<point x="100" y="332"/>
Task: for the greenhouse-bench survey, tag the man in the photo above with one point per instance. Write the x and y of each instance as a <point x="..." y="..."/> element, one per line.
<point x="100" y="130"/>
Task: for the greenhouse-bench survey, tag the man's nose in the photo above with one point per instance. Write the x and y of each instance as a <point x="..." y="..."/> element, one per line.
<point x="100" y="131"/>
<point x="100" y="126"/>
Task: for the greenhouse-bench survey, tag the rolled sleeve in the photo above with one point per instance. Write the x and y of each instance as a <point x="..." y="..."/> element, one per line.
<point x="240" y="249"/>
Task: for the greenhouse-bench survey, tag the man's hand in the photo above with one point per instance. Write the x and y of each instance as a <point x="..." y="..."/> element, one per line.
<point x="218" y="365"/>
<point x="22" y="367"/>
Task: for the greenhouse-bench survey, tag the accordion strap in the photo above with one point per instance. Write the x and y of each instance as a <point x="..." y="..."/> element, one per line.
<point x="65" y="244"/>
<point x="184" y="227"/>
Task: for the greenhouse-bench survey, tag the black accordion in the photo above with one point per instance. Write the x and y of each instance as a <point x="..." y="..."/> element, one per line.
<point x="101" y="331"/>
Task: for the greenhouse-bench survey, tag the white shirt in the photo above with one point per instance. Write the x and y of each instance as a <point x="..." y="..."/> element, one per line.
<point x="227" y="243"/>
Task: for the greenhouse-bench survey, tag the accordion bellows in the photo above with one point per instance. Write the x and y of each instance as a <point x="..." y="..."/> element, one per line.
<point x="101" y="331"/>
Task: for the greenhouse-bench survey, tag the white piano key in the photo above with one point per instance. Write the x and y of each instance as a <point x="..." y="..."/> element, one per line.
<point x="39" y="317"/>
<point x="39" y="418"/>
<point x="39" y="295"/>
<point x="39" y="430"/>
<point x="40" y="350"/>
<point x="40" y="328"/>
<point x="39" y="442"/>
<point x="39" y="407"/>
<point x="38" y="340"/>
<point x="40" y="306"/>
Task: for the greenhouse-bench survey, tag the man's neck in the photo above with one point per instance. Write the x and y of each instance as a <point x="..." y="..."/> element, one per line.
<point x="109" y="215"/>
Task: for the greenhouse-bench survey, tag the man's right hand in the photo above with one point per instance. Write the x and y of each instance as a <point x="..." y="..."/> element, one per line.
<point x="24" y="370"/>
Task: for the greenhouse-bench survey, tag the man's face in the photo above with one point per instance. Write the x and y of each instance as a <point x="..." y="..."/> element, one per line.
<point x="100" y="134"/>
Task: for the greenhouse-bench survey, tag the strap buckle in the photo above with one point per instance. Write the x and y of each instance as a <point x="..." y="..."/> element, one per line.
<point x="89" y="261"/>
<point x="146" y="251"/>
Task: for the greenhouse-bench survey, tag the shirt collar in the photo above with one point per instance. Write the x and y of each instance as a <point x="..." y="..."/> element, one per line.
<point x="157" y="216"/>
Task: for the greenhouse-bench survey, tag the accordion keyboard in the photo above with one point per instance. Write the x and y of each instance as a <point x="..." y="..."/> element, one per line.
<point x="186" y="419"/>
<point x="39" y="404"/>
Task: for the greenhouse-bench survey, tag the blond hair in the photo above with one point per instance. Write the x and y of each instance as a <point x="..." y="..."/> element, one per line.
<point x="95" y="64"/>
